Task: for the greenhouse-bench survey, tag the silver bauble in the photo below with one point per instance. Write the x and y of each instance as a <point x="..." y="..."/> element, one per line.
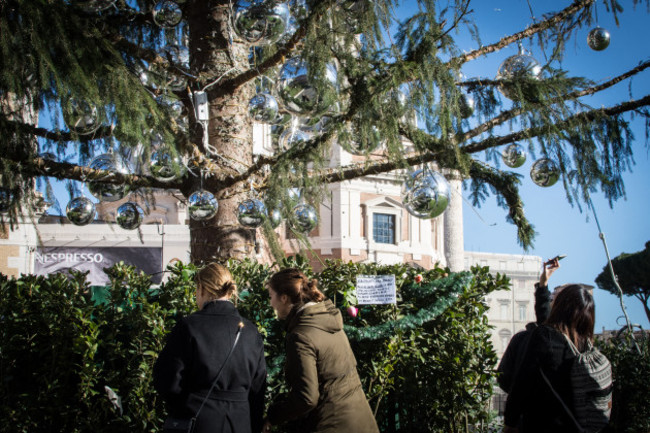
<point x="362" y="140"/>
<point x="519" y="67"/>
<point x="167" y="14"/>
<point x="304" y="218"/>
<point x="202" y="205"/>
<point x="108" y="191"/>
<point x="426" y="194"/>
<point x="275" y="217"/>
<point x="294" y="194"/>
<point x="159" y="76"/>
<point x="598" y="39"/>
<point x="514" y="155"/>
<point x="251" y="213"/>
<point x="263" y="107"/>
<point x="544" y="172"/>
<point x="81" y="117"/>
<point x="6" y="197"/>
<point x="298" y="94"/>
<point x="129" y="216"/>
<point x="292" y="137"/>
<point x="261" y="23"/>
<point x="316" y="124"/>
<point x="94" y="5"/>
<point x="80" y="211"/>
<point x="166" y="167"/>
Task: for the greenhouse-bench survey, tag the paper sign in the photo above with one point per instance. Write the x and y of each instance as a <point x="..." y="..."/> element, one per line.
<point x="376" y="289"/>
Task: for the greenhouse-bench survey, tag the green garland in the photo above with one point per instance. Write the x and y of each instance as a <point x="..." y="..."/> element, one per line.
<point x="438" y="295"/>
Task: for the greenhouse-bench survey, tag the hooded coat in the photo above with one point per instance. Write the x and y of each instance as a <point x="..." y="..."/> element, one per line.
<point x="325" y="393"/>
<point x="195" y="351"/>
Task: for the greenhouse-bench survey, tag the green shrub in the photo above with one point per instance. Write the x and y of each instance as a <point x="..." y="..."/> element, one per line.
<point x="425" y="363"/>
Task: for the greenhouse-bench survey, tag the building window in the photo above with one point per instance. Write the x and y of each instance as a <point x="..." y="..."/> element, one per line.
<point x="383" y="228"/>
<point x="522" y="312"/>
<point x="503" y="311"/>
<point x="504" y="336"/>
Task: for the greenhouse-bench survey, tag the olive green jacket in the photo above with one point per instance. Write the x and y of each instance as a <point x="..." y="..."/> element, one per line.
<point x="325" y="394"/>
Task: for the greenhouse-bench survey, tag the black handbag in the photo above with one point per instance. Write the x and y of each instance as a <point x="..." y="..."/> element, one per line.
<point x="186" y="425"/>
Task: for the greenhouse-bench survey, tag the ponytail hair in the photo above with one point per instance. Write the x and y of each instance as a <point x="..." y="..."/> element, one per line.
<point x="298" y="288"/>
<point x="216" y="281"/>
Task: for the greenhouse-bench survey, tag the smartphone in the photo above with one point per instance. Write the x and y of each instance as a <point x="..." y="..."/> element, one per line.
<point x="558" y="258"/>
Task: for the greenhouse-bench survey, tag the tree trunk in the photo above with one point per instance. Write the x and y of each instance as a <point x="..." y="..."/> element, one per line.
<point x="216" y="52"/>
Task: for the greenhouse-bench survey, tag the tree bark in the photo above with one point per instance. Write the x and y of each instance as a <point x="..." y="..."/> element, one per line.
<point x="215" y="52"/>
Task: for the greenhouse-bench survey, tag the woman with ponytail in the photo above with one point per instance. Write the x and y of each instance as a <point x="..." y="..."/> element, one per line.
<point x="198" y="351"/>
<point x="325" y="393"/>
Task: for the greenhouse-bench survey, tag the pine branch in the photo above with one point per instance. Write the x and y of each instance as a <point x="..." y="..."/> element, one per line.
<point x="25" y="128"/>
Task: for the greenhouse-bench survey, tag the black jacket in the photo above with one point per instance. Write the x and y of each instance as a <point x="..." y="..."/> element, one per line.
<point x="530" y="396"/>
<point x="186" y="367"/>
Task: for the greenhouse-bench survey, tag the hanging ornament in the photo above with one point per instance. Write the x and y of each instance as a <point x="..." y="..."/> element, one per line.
<point x="598" y="39"/>
<point x="251" y="213"/>
<point x="292" y="137"/>
<point x="202" y="205"/>
<point x="166" y="167"/>
<point x="514" y="155"/>
<point x="108" y="191"/>
<point x="176" y="110"/>
<point x="167" y="14"/>
<point x="520" y="67"/>
<point x="304" y="218"/>
<point x="316" y="124"/>
<point x="81" y="117"/>
<point x="426" y="193"/>
<point x="6" y="197"/>
<point x="466" y="104"/>
<point x="94" y="5"/>
<point x="129" y="216"/>
<point x="159" y="76"/>
<point x="544" y="172"/>
<point x="361" y="139"/>
<point x="261" y="23"/>
<point x="263" y="107"/>
<point x="275" y="218"/>
<point x="299" y="95"/>
<point x="80" y="211"/>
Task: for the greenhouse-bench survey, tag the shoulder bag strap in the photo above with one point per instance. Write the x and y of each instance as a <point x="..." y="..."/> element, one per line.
<point x="566" y="408"/>
<point x="240" y="326"/>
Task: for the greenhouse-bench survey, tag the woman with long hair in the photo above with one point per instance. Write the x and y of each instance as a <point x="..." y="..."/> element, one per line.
<point x="325" y="393"/>
<point x="198" y="348"/>
<point x="542" y="392"/>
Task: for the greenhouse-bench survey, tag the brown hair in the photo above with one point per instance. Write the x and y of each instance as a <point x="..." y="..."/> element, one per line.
<point x="573" y="314"/>
<point x="216" y="280"/>
<point x="296" y="286"/>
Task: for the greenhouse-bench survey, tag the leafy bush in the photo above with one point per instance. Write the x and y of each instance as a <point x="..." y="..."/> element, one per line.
<point x="425" y="362"/>
<point x="631" y="368"/>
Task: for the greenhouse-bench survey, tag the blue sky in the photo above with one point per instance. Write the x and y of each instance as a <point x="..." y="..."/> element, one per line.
<point x="563" y="229"/>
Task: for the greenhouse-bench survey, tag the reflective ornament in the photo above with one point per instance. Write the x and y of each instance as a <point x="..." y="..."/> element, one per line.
<point x="305" y="218"/>
<point x="299" y="95"/>
<point x="81" y="117"/>
<point x="263" y="107"/>
<point x="426" y="194"/>
<point x="251" y="213"/>
<point x="129" y="216"/>
<point x="362" y="140"/>
<point x="275" y="218"/>
<point x="317" y="124"/>
<point x="159" y="76"/>
<point x="167" y="14"/>
<point x="520" y="67"/>
<point x="261" y="23"/>
<point x="6" y="197"/>
<point x="352" y="311"/>
<point x="166" y="167"/>
<point x="514" y="155"/>
<point x="467" y="104"/>
<point x="108" y="191"/>
<point x="94" y="5"/>
<point x="80" y="211"/>
<point x="598" y="39"/>
<point x="294" y="194"/>
<point x="202" y="205"/>
<point x="175" y="108"/>
<point x="291" y="138"/>
<point x="544" y="172"/>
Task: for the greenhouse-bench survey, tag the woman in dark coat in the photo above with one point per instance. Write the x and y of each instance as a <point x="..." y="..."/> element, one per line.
<point x="325" y="393"/>
<point x="195" y="351"/>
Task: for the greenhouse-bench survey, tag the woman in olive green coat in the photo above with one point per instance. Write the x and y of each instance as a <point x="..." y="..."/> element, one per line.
<point x="325" y="394"/>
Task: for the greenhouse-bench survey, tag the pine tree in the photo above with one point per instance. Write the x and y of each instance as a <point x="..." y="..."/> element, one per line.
<point x="60" y="55"/>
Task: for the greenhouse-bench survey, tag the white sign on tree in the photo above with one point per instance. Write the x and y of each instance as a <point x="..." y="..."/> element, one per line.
<point x="376" y="289"/>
